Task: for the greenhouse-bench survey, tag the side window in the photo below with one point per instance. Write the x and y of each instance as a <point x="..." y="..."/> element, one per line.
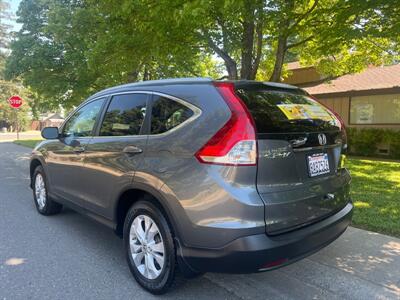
<point x="167" y="114"/>
<point x="125" y="115"/>
<point x="82" y="121"/>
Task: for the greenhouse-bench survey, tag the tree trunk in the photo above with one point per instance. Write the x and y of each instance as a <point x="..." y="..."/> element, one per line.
<point x="133" y="76"/>
<point x="288" y="6"/>
<point x="230" y="63"/>
<point x="258" y="51"/>
<point x="231" y="67"/>
<point x="279" y="59"/>
<point x="247" y="44"/>
<point x="146" y="74"/>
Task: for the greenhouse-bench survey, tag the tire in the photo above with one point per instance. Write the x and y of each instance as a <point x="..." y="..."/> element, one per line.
<point x="44" y="204"/>
<point x="143" y="247"/>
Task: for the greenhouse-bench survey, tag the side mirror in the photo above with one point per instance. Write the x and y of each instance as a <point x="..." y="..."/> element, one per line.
<point x="50" y="133"/>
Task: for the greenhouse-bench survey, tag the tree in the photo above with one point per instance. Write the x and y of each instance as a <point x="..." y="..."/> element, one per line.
<point x="365" y="33"/>
<point x="4" y="15"/>
<point x="67" y="49"/>
<point x="233" y="30"/>
<point x="51" y="62"/>
<point x="8" y="117"/>
<point x="247" y="34"/>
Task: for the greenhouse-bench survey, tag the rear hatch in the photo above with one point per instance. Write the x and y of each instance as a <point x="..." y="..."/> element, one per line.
<point x="300" y="144"/>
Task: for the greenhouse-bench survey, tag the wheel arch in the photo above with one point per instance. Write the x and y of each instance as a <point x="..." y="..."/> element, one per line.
<point x="133" y="194"/>
<point x="35" y="162"/>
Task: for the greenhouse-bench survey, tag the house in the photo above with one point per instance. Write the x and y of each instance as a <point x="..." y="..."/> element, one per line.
<point x="370" y="99"/>
<point x="47" y="120"/>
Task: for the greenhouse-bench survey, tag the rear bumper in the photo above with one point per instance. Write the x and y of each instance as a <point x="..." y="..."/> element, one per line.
<point x="262" y="252"/>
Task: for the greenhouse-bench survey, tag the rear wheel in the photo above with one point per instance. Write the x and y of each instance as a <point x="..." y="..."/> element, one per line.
<point x="149" y="247"/>
<point x="44" y="204"/>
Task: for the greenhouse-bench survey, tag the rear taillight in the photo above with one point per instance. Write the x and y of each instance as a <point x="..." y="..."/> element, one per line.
<point x="235" y="143"/>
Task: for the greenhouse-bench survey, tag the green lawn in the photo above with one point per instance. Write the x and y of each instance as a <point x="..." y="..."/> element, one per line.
<point x="375" y="191"/>
<point x="27" y="143"/>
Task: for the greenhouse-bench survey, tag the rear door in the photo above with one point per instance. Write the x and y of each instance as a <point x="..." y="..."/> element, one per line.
<point x="299" y="146"/>
<point x="115" y="152"/>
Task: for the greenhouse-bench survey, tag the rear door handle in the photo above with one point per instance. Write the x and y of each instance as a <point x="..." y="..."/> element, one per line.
<point x="132" y="150"/>
<point x="79" y="149"/>
<point x="298" y="142"/>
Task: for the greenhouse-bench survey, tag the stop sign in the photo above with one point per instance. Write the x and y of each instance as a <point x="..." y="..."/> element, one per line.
<point x="15" y="101"/>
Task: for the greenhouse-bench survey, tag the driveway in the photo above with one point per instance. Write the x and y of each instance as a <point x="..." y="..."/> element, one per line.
<point x="70" y="257"/>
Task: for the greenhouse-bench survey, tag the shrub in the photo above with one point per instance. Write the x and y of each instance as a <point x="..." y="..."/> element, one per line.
<point x="365" y="141"/>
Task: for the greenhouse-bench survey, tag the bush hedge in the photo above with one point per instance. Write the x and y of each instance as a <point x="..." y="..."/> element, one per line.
<point x="365" y="142"/>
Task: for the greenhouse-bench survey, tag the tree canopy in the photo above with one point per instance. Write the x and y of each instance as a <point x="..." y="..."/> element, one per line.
<point x="8" y="87"/>
<point x="4" y="15"/>
<point x="67" y="49"/>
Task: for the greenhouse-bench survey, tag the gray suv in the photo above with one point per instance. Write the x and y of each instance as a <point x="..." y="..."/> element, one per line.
<point x="199" y="175"/>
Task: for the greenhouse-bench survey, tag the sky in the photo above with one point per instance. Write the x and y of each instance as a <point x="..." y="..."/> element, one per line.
<point x="13" y="9"/>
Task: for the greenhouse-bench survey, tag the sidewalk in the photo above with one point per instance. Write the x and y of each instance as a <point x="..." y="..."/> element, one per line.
<point x="359" y="265"/>
<point x="26" y="135"/>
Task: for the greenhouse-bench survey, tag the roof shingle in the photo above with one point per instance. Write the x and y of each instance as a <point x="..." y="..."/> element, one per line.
<point x="370" y="79"/>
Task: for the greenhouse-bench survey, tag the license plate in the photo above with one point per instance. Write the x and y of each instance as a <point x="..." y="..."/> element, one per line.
<point x="318" y="164"/>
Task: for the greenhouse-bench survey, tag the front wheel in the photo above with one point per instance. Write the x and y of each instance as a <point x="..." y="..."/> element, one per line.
<point x="149" y="247"/>
<point x="44" y="204"/>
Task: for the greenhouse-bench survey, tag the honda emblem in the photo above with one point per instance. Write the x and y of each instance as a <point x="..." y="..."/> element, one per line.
<point x="322" y="139"/>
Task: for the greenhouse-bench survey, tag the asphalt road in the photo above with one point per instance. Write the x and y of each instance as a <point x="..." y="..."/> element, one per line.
<point x="70" y="257"/>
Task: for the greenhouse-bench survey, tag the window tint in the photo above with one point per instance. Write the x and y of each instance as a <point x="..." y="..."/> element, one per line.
<point x="167" y="114"/>
<point x="276" y="112"/>
<point x="82" y="121"/>
<point x="124" y="115"/>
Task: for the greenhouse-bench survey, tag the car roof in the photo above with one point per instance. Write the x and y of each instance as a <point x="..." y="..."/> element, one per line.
<point x="160" y="82"/>
<point x="192" y="80"/>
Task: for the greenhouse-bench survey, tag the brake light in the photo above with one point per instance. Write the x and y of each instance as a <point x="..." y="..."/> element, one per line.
<point x="235" y="143"/>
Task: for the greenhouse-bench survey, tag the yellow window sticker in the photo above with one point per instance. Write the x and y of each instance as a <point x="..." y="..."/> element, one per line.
<point x="304" y="111"/>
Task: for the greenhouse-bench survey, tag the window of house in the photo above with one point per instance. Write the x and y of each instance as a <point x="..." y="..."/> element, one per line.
<point x="167" y="114"/>
<point x="375" y="109"/>
<point x="81" y="123"/>
<point x="125" y="115"/>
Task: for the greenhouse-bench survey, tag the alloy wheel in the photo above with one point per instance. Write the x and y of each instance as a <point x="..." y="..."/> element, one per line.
<point x="40" y="191"/>
<point x="147" y="247"/>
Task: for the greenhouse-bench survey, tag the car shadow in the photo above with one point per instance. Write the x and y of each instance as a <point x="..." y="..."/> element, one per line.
<point x="103" y="243"/>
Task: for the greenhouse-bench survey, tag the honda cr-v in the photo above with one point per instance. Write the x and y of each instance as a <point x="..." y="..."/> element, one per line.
<point x="199" y="175"/>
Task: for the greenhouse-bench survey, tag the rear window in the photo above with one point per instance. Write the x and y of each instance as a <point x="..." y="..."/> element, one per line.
<point x="282" y="112"/>
<point x="167" y="114"/>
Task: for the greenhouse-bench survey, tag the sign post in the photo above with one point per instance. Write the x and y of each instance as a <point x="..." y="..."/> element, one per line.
<point x="16" y="102"/>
